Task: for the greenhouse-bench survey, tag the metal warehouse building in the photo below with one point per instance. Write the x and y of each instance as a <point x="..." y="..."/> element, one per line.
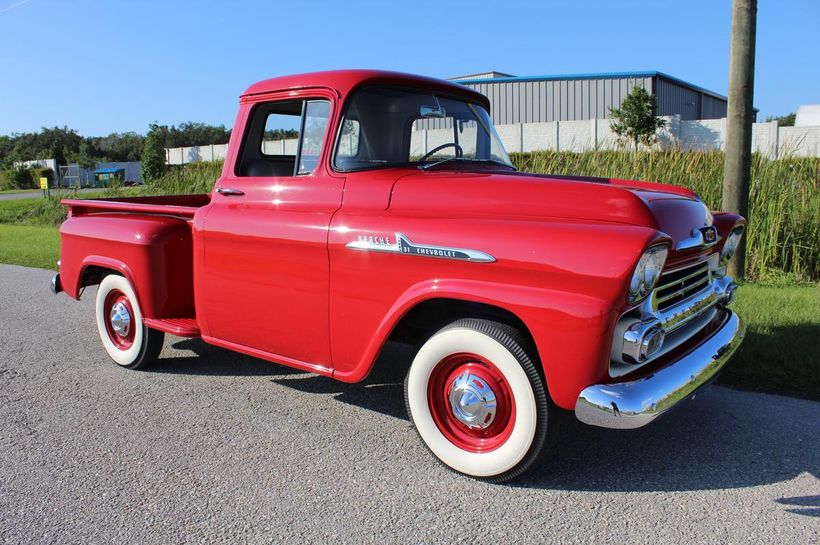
<point x="539" y="99"/>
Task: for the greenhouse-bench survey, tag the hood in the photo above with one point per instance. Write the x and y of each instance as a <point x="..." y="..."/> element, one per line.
<point x="673" y="210"/>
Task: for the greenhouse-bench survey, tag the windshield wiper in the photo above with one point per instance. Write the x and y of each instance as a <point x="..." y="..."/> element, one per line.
<point x="448" y="159"/>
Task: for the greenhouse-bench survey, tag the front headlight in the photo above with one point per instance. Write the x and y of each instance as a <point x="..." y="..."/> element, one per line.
<point x="731" y="244"/>
<point x="647" y="272"/>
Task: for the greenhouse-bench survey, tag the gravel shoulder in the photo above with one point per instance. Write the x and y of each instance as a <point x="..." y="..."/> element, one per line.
<point x="212" y="446"/>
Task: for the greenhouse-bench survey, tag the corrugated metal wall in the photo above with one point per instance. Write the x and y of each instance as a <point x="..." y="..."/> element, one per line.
<point x="540" y="101"/>
<point x="713" y="107"/>
<point x="676" y="99"/>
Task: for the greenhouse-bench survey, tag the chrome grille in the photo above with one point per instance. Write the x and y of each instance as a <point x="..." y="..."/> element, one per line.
<point x="677" y="286"/>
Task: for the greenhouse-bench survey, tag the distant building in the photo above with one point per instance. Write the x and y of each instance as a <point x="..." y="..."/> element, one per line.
<point x="807" y="116"/>
<point x="538" y="99"/>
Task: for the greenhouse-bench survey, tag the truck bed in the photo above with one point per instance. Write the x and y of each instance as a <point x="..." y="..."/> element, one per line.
<point x="184" y="206"/>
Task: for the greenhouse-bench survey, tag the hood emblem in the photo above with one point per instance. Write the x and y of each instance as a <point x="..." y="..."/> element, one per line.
<point x="701" y="238"/>
<point x="402" y="245"/>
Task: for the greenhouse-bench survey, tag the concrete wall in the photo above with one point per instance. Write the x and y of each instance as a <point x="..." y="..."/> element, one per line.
<point x="589" y="134"/>
<point x="703" y="135"/>
<point x="182" y="156"/>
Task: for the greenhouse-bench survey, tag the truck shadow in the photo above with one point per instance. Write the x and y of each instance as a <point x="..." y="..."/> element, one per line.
<point x="211" y="360"/>
<point x="722" y="439"/>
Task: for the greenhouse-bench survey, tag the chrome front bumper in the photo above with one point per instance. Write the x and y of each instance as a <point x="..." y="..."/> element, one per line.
<point x="634" y="404"/>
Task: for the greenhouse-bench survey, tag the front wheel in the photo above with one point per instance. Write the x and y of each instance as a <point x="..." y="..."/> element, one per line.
<point x="119" y="320"/>
<point x="478" y="401"/>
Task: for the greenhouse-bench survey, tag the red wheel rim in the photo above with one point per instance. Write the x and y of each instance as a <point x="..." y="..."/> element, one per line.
<point x="121" y="339"/>
<point x="440" y="386"/>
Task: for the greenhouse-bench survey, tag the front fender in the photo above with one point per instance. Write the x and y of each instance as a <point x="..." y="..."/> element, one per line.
<point x="568" y="329"/>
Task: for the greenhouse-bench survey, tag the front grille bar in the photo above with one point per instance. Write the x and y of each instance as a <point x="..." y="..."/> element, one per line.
<point x="701" y="270"/>
<point x="684" y="290"/>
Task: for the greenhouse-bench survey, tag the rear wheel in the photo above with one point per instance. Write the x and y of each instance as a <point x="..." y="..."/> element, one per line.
<point x="119" y="320"/>
<point x="478" y="401"/>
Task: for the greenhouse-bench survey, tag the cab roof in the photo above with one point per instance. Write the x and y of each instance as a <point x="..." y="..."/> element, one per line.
<point x="344" y="81"/>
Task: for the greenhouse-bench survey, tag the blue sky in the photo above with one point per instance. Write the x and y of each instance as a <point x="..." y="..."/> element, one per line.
<point x="101" y="66"/>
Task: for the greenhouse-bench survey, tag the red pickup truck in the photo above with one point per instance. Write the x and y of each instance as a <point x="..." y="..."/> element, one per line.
<point x="361" y="207"/>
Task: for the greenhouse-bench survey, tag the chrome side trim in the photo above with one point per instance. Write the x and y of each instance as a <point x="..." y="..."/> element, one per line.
<point x="634" y="404"/>
<point x="404" y="246"/>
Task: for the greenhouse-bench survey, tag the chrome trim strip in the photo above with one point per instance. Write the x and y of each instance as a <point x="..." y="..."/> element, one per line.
<point x="634" y="404"/>
<point x="404" y="246"/>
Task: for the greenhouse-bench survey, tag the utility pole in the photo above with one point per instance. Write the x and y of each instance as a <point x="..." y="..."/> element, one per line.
<point x="738" y="161"/>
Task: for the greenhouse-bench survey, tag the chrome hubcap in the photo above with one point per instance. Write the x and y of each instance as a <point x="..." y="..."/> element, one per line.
<point x="472" y="401"/>
<point x="120" y="319"/>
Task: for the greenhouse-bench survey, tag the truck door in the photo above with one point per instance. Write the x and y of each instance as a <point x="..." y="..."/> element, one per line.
<point x="264" y="287"/>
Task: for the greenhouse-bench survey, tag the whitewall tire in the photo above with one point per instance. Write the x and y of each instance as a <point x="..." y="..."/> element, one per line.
<point x="478" y="401"/>
<point x="119" y="321"/>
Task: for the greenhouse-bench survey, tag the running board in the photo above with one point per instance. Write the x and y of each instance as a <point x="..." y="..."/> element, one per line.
<point x="181" y="327"/>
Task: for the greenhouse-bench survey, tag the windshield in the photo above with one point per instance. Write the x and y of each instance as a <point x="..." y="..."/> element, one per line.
<point x="390" y="126"/>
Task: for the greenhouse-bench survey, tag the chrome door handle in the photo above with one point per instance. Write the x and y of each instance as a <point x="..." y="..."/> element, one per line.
<point x="230" y="192"/>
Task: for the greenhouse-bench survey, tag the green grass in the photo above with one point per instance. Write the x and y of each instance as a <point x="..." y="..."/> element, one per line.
<point x="29" y="246"/>
<point x="781" y="352"/>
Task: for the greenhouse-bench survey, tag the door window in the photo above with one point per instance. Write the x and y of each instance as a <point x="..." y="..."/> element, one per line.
<point x="284" y="138"/>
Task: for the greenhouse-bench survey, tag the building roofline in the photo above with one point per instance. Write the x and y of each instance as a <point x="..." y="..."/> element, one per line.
<point x="602" y="75"/>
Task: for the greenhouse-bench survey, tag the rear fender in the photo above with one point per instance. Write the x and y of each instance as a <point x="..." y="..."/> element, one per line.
<point x="153" y="252"/>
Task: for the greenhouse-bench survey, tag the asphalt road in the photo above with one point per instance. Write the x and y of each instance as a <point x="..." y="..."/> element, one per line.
<point x="211" y="446"/>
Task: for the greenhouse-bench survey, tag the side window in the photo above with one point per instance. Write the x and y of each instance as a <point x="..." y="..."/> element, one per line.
<point x="281" y="135"/>
<point x="284" y="138"/>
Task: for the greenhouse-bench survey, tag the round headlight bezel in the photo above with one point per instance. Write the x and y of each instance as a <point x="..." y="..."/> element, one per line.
<point x="646" y="273"/>
<point x="731" y="245"/>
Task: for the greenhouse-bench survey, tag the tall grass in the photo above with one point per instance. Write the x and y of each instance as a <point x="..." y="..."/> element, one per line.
<point x="784" y="202"/>
<point x="187" y="179"/>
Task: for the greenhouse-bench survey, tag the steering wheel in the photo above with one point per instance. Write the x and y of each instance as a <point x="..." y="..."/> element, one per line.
<point x="459" y="150"/>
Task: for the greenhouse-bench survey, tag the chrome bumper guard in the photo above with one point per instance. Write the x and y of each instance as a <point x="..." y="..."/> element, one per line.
<point x="634" y="404"/>
<point x="56" y="286"/>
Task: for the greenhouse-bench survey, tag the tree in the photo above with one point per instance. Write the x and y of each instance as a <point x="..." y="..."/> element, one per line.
<point x="635" y="120"/>
<point x="153" y="154"/>
<point x="783" y="120"/>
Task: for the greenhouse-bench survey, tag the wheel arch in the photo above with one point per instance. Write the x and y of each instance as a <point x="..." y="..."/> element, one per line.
<point x="94" y="268"/>
<point x="429" y="315"/>
<point x="427" y="307"/>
